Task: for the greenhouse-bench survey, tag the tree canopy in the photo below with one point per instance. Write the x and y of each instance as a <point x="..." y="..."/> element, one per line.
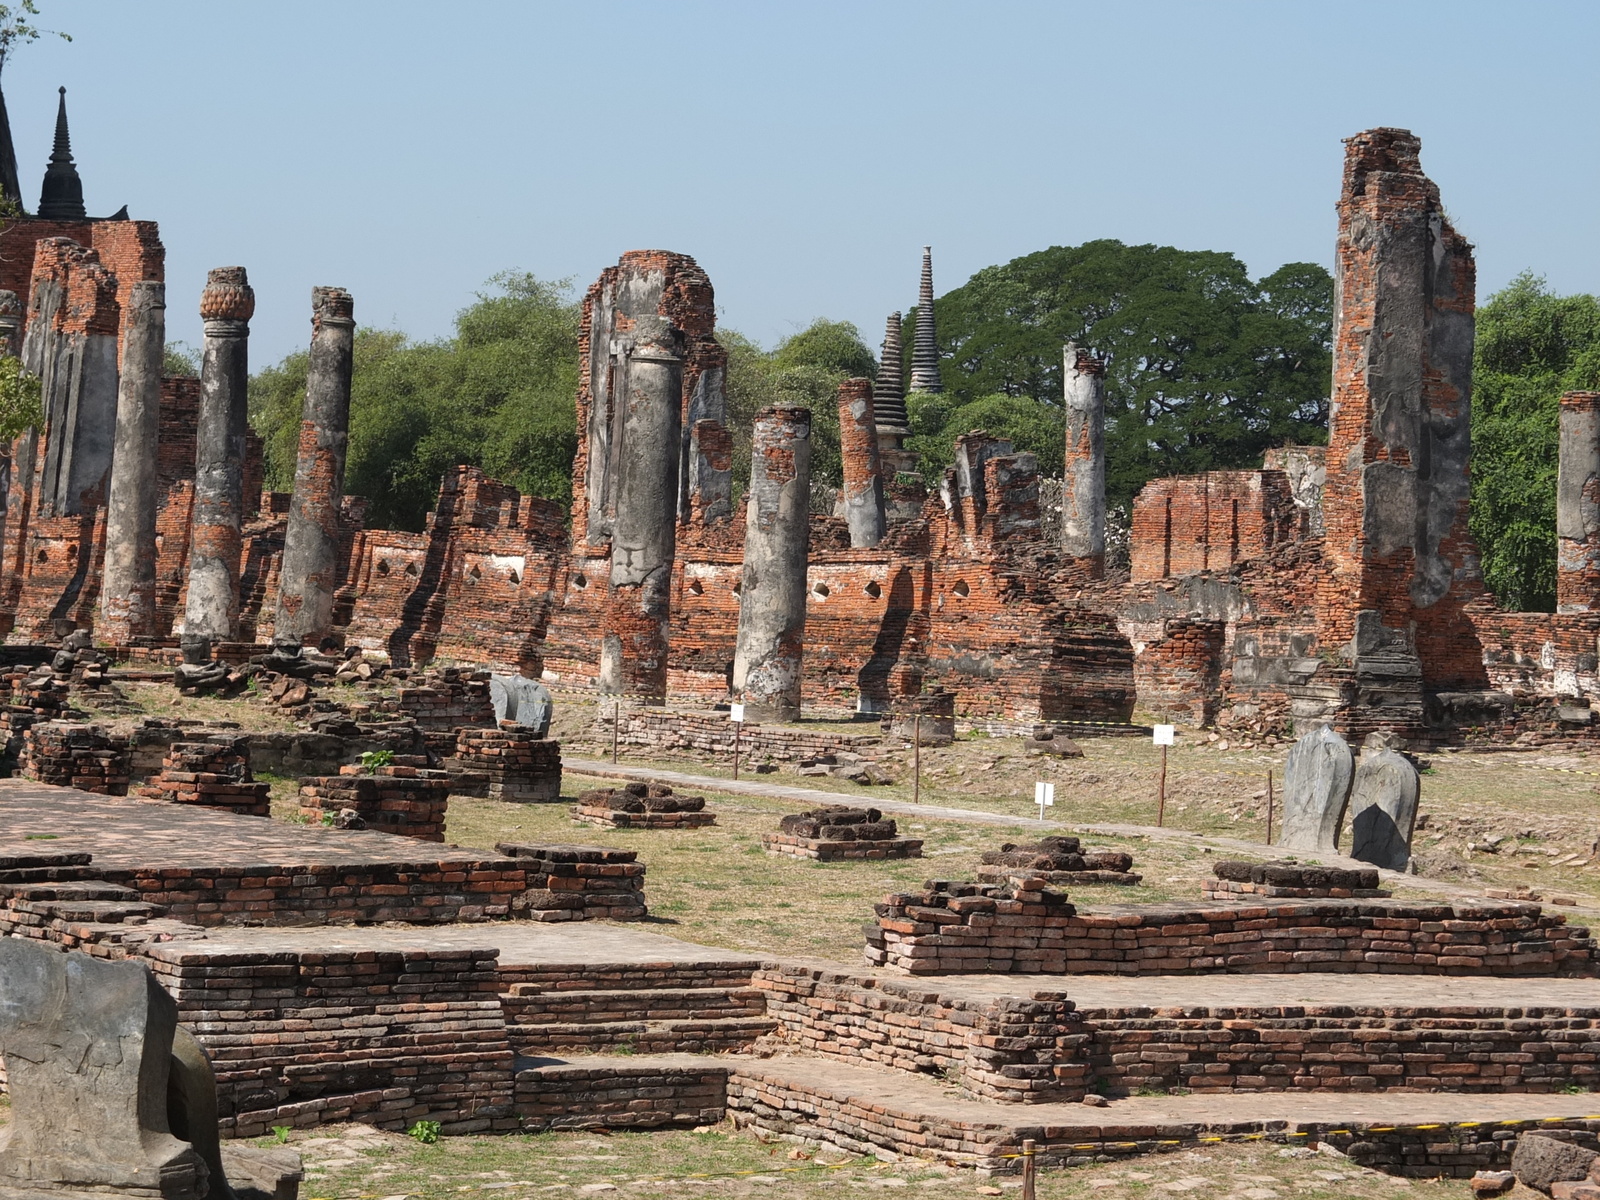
<point x="499" y="395"/>
<point x="1531" y="346"/>
<point x="1206" y="368"/>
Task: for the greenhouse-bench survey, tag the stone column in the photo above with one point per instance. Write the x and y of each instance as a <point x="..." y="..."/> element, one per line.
<point x="13" y="479"/>
<point x="862" y="495"/>
<point x="645" y="447"/>
<point x="128" y="585"/>
<point x="772" y="591"/>
<point x="211" y="613"/>
<point x="311" y="542"/>
<point x="1083" y="485"/>
<point x="1578" y="505"/>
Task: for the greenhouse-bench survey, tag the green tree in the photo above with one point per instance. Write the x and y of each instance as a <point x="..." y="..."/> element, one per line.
<point x="1206" y="368"/>
<point x="1531" y="346"/>
<point x="21" y="400"/>
<point x="498" y="395"/>
<point x="16" y="30"/>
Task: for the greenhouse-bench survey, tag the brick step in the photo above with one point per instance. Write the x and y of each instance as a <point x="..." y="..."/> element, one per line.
<point x="73" y="891"/>
<point x="667" y="1091"/>
<point x="526" y="979"/>
<point x="528" y="1006"/>
<point x="645" y="1037"/>
<point x="98" y="912"/>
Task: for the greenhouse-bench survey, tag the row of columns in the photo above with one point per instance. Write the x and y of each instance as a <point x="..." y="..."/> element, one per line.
<point x="310" y="557"/>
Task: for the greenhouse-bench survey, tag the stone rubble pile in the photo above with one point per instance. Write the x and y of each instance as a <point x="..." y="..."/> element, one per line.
<point x="72" y="754"/>
<point x="952" y="927"/>
<point x="519" y="765"/>
<point x="1057" y="860"/>
<point x="835" y="832"/>
<point x="1289" y="879"/>
<point x="642" y="806"/>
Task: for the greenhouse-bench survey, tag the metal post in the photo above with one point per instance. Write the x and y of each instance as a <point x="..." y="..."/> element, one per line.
<point x="1027" y="1168"/>
<point x="1161" y="804"/>
<point x="1269" y="806"/>
<point x="616" y="722"/>
<point x="737" y="726"/>
<point x="916" y="759"/>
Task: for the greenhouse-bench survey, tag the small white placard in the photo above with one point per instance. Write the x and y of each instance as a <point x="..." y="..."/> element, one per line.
<point x="1166" y="735"/>
<point x="736" y="713"/>
<point x="1044" y="793"/>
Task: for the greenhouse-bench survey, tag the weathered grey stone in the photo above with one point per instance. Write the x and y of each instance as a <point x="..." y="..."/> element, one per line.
<point x="128" y="586"/>
<point x="772" y="597"/>
<point x="109" y="1095"/>
<point x="1383" y="809"/>
<point x="1541" y="1160"/>
<point x="523" y="700"/>
<point x="1316" y="787"/>
<point x="861" y="497"/>
<point x="211" y="609"/>
<point x="86" y="1045"/>
<point x="1083" y="491"/>
<point x="311" y="540"/>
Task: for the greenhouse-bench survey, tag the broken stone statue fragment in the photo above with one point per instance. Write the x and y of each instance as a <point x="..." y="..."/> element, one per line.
<point x="1316" y="786"/>
<point x="1383" y="809"/>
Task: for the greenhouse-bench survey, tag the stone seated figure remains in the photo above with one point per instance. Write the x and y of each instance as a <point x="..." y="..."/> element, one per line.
<point x="109" y="1096"/>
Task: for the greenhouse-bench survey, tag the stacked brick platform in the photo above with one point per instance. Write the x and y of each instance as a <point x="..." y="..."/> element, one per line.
<point x="521" y="767"/>
<point x="215" y="772"/>
<point x="405" y="798"/>
<point x="444" y="702"/>
<point x="29" y="699"/>
<point x="1286" y="879"/>
<point x="1021" y="1050"/>
<point x="69" y="754"/>
<point x="622" y="1093"/>
<point x="953" y="928"/>
<point x="386" y="1037"/>
<point x="1057" y="861"/>
<point x="579" y="883"/>
<point x="834" y="833"/>
<point x="642" y="806"/>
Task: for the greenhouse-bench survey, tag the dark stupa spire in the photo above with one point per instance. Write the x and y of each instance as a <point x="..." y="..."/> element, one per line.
<point x="10" y="186"/>
<point x="889" y="389"/>
<point x="62" y="196"/>
<point x="925" y="350"/>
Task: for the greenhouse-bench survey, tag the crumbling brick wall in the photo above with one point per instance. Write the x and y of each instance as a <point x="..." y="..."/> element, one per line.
<point x="1211" y="522"/>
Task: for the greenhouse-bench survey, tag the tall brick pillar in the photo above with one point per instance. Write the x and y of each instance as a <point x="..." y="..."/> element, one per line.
<point x="211" y="613"/>
<point x="1083" y="489"/>
<point x="1578" y="505"/>
<point x="311" y="542"/>
<point x="1402" y="563"/>
<point x="862" y="495"/>
<point x="128" y="583"/>
<point x="772" y="593"/>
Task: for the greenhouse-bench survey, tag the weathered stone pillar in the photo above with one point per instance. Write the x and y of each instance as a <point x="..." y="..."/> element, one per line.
<point x="1578" y="505"/>
<point x="311" y="542"/>
<point x="772" y="593"/>
<point x="212" y="610"/>
<point x="862" y="495"/>
<point x="646" y="440"/>
<point x="1083" y="488"/>
<point x="128" y="585"/>
<point x="13" y="481"/>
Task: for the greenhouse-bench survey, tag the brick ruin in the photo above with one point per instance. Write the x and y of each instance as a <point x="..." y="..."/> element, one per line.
<point x="1331" y="584"/>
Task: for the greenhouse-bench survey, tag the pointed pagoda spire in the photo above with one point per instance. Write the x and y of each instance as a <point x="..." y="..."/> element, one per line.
<point x="889" y="389"/>
<point x="61" y="199"/>
<point x="10" y="186"/>
<point x="925" y="350"/>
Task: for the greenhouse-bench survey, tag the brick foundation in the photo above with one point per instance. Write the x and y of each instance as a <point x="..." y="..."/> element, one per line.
<point x="404" y="799"/>
<point x="576" y="883"/>
<point x="74" y="755"/>
<point x="215" y="772"/>
<point x="521" y="768"/>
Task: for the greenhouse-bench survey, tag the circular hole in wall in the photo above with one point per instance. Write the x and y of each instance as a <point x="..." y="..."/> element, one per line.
<point x="696" y="588"/>
<point x="383" y="566"/>
<point x="961" y="588"/>
<point x="872" y="589"/>
<point x="821" y="591"/>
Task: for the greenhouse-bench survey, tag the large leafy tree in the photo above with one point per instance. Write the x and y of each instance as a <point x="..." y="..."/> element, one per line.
<point x="498" y="395"/>
<point x="1206" y="368"/>
<point x="1532" y="345"/>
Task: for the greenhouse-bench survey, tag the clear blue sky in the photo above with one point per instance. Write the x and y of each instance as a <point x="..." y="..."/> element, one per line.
<point x="803" y="152"/>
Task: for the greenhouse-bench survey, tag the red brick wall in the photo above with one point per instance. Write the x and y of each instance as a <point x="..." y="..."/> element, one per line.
<point x="1192" y="523"/>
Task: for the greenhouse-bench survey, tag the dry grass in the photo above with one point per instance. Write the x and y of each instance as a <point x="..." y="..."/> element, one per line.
<point x="345" y="1162"/>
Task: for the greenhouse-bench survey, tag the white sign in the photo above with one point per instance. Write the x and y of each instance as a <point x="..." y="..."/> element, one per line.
<point x="1044" y="795"/>
<point x="737" y="713"/>
<point x="1166" y="735"/>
